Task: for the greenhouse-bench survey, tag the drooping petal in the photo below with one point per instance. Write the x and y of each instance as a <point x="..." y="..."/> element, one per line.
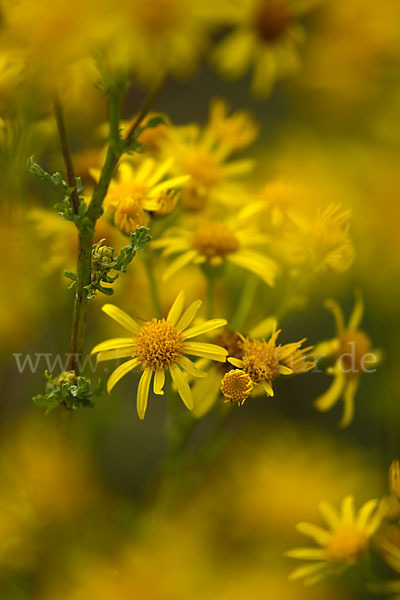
<point x="348" y="401"/>
<point x="204" y="327"/>
<point x="179" y="263"/>
<point x="182" y="386"/>
<point x="120" y="372"/>
<point x="267" y="385"/>
<point x="113" y="344"/>
<point x="284" y="370"/>
<point x="333" y="393"/>
<point x="236" y="362"/>
<point x="158" y="383"/>
<point x="176" y="309"/>
<point x="169" y="184"/>
<point x="205" y="392"/>
<point x="188" y="315"/>
<point x="190" y="367"/>
<point x="121" y="317"/>
<point x="321" y="536"/>
<point x="143" y="392"/>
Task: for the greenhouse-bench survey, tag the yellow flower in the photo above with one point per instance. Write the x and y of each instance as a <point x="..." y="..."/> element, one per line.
<point x="265" y="361"/>
<point x="159" y="345"/>
<point x="341" y="545"/>
<point x="266" y="36"/>
<point x="201" y="154"/>
<point x="319" y="241"/>
<point x="140" y="188"/>
<point x="160" y="37"/>
<point x="215" y="243"/>
<point x="353" y="355"/>
<point x="236" y="386"/>
<point x="233" y="132"/>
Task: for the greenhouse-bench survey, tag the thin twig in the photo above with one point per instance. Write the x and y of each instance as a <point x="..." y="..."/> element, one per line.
<point x="147" y="104"/>
<point x="66" y="151"/>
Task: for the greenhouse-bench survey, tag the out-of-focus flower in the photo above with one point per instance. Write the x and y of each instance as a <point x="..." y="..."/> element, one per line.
<point x="278" y="198"/>
<point x="353" y="353"/>
<point x="159" y="345"/>
<point x="161" y="37"/>
<point x="199" y="153"/>
<point x="266" y="37"/>
<point x="265" y="361"/>
<point x="140" y="188"/>
<point x="231" y="132"/>
<point x="345" y="541"/>
<point x="214" y="244"/>
<point x="318" y="241"/>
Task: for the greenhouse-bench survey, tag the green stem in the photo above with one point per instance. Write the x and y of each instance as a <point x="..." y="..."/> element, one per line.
<point x="148" y="263"/>
<point x="85" y="238"/>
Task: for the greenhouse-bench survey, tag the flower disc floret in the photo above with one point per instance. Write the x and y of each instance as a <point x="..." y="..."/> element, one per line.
<point x="236" y="386"/>
<point x="260" y="360"/>
<point x="215" y="240"/>
<point x="159" y="344"/>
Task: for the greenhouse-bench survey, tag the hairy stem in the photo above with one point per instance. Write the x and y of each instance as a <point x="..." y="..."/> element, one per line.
<point x="66" y="151"/>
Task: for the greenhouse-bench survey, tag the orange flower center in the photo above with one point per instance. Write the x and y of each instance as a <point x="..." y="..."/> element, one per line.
<point x="346" y="545"/>
<point x="215" y="239"/>
<point x="260" y="360"/>
<point x="204" y="168"/>
<point x="159" y="344"/>
<point x="236" y="386"/>
<point x="354" y="345"/>
<point x="272" y="20"/>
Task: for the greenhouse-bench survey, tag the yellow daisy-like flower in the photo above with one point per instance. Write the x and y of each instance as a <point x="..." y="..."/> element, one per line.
<point x="266" y="36"/>
<point x="318" y="241"/>
<point x="341" y="545"/>
<point x="159" y="345"/>
<point x="353" y="354"/>
<point x="161" y="37"/>
<point x="199" y="153"/>
<point x="139" y="189"/>
<point x="231" y="132"/>
<point x="265" y="361"/>
<point x="214" y="243"/>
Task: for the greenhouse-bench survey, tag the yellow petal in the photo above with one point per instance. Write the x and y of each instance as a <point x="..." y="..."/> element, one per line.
<point x="267" y="385"/>
<point x="337" y="312"/>
<point x="321" y="536"/>
<point x="206" y="350"/>
<point x="307" y="553"/>
<point x="176" y="309"/>
<point x="348" y="401"/>
<point x="120" y="372"/>
<point x="284" y="370"/>
<point x="236" y="362"/>
<point x="329" y="515"/>
<point x="121" y="317"/>
<point x="113" y="344"/>
<point x="143" y="392"/>
<point x="112" y="354"/>
<point x="365" y="513"/>
<point x="179" y="263"/>
<point x="331" y="396"/>
<point x="158" y="383"/>
<point x="169" y="184"/>
<point x="358" y="312"/>
<point x="307" y="570"/>
<point x="261" y="265"/>
<point x="204" y="327"/>
<point x="206" y="392"/>
<point x="188" y="315"/>
<point x="190" y="367"/>
<point x="348" y="513"/>
<point x="182" y="386"/>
